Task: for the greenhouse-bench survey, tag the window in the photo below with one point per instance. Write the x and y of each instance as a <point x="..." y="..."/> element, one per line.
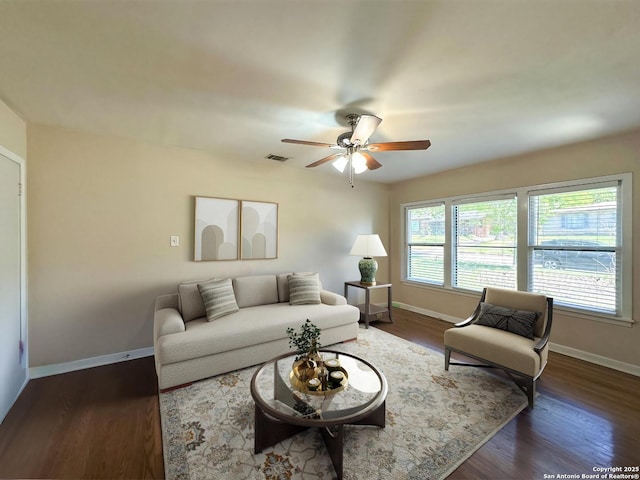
<point x="573" y="244"/>
<point x="575" y="262"/>
<point x="484" y="249"/>
<point x="425" y="246"/>
<point x="574" y="221"/>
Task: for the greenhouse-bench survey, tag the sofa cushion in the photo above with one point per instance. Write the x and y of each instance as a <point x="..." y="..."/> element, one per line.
<point x="519" y="322"/>
<point x="250" y="326"/>
<point x="283" y="286"/>
<point x="304" y="289"/>
<point x="219" y="299"/>
<point x="255" y="290"/>
<point x="190" y="301"/>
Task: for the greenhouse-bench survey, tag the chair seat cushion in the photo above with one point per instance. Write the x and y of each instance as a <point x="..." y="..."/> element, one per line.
<point x="497" y="346"/>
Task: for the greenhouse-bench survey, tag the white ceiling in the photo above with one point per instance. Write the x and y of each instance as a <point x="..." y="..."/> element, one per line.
<point x="481" y="79"/>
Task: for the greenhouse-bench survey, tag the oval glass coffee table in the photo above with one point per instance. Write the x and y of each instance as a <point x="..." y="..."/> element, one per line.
<point x="283" y="410"/>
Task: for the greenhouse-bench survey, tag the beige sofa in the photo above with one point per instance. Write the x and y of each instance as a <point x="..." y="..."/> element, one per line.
<point x="188" y="347"/>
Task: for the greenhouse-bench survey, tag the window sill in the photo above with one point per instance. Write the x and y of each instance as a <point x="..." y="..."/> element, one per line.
<point x="565" y="311"/>
<point x="440" y="288"/>
<point x="594" y="317"/>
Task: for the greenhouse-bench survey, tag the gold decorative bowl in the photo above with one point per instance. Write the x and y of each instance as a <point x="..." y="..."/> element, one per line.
<point x="331" y="387"/>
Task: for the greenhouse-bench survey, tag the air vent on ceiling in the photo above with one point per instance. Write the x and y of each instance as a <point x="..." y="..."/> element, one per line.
<point x="277" y="158"/>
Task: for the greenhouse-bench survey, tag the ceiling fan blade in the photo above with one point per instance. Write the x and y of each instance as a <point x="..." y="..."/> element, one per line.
<point x="372" y="163"/>
<point x="365" y="127"/>
<point x="388" y="146"/>
<point x="326" y="159"/>
<point x="304" y="142"/>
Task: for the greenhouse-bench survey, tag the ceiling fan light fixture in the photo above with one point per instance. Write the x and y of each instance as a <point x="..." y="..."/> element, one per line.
<point x="365" y="127"/>
<point x="359" y="162"/>
<point x="340" y="163"/>
<point x="362" y="127"/>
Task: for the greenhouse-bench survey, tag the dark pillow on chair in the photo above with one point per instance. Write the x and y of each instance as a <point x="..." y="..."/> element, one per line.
<point x="519" y="322"/>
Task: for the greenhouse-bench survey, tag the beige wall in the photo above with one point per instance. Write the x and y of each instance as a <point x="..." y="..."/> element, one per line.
<point x="618" y="154"/>
<point x="102" y="209"/>
<point x="13" y="131"/>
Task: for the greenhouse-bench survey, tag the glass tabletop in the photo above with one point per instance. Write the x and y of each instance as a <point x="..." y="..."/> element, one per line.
<point x="276" y="390"/>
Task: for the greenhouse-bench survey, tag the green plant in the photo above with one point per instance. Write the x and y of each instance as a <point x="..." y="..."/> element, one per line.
<point x="307" y="341"/>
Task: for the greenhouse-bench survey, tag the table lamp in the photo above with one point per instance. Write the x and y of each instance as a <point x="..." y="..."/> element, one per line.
<point x="368" y="246"/>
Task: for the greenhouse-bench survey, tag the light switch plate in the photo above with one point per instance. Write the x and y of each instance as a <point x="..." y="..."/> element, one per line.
<point x="175" y="241"/>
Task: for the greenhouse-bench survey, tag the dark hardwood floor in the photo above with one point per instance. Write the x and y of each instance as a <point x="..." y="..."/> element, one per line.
<point x="104" y="422"/>
<point x="101" y="422"/>
<point x="585" y="416"/>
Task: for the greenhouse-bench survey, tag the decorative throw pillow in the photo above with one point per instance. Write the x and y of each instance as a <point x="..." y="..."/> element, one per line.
<point x="304" y="289"/>
<point x="519" y="322"/>
<point x="218" y="298"/>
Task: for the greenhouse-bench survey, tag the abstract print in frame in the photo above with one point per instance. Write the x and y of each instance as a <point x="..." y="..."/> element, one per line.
<point x="216" y="229"/>
<point x="259" y="230"/>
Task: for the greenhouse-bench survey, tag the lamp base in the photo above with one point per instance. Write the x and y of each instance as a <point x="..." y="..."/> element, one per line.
<point x="368" y="268"/>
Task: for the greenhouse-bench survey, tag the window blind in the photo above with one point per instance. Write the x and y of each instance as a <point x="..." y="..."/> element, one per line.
<point x="485" y="244"/>
<point x="574" y="245"/>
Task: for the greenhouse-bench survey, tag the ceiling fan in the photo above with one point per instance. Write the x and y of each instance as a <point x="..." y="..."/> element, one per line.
<point x="356" y="146"/>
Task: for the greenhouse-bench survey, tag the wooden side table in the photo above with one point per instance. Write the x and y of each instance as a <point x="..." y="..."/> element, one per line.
<point x="369" y="312"/>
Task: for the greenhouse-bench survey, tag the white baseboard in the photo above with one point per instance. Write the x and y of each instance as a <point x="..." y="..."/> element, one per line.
<point x="594" y="358"/>
<point x="48" y="370"/>
<point x="429" y="313"/>
<point x="3" y="414"/>
<point x="554" y="347"/>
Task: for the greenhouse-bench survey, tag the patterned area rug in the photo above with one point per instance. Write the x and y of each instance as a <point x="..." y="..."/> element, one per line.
<point x="435" y="420"/>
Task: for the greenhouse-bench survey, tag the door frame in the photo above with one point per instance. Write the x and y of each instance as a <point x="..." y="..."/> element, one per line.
<point x="24" y="324"/>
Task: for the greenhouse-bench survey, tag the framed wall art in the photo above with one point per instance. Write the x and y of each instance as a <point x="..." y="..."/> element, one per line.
<point x="217" y="227"/>
<point x="258" y="230"/>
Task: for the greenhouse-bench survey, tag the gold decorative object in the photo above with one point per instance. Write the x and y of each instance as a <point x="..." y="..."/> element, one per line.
<point x="335" y="379"/>
<point x="305" y="369"/>
<point x="332" y="364"/>
<point x="313" y="384"/>
<point x="322" y="381"/>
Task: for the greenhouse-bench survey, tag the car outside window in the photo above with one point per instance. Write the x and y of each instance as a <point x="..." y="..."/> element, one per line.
<point x="575" y="262"/>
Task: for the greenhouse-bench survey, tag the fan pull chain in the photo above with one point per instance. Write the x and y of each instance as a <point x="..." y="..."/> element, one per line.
<point x="351" y="177"/>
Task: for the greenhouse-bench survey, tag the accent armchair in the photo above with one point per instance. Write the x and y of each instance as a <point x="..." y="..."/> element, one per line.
<point x="509" y="330"/>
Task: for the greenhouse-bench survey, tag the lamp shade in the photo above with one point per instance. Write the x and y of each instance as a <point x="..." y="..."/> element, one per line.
<point x="368" y="246"/>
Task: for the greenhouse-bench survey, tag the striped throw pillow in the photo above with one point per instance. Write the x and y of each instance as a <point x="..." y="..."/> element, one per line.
<point x="304" y="289"/>
<point x="218" y="297"/>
